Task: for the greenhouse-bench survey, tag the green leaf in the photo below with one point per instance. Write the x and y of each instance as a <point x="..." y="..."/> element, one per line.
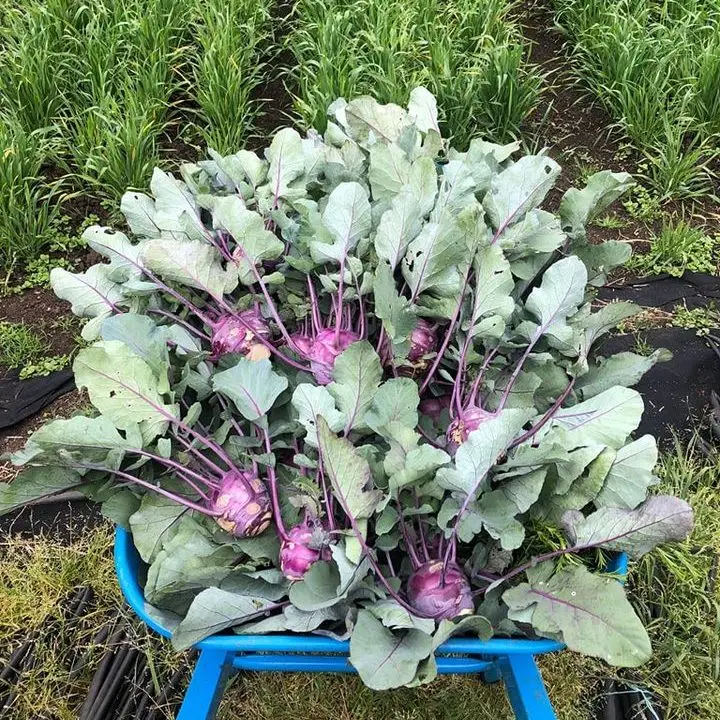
<point x="175" y="206"/>
<point x="396" y="400"/>
<point x="312" y="401"/>
<point x="367" y="121"/>
<point x="123" y="255"/>
<point x="139" y="211"/>
<point x="398" y="226"/>
<point x="140" y="334"/>
<point x="519" y="188"/>
<point x="591" y="614"/>
<point x="537" y="233"/>
<point x="479" y="453"/>
<point x="255" y="243"/>
<point x="473" y="624"/>
<point x="493" y="287"/>
<point x="287" y="162"/>
<point x="357" y="374"/>
<point x="395" y="616"/>
<point x="212" y="611"/>
<point x="433" y="255"/>
<point x="251" y="385"/>
<point x="151" y="523"/>
<point x="327" y="583"/>
<point x="91" y="294"/>
<point x="389" y="171"/>
<point x="607" y="318"/>
<point x="561" y="292"/>
<point x="623" y="369"/>
<point x="34" y="483"/>
<point x="630" y="476"/>
<point x="423" y="111"/>
<point x="579" y="207"/>
<point x="660" y="519"/>
<point x="601" y="259"/>
<point x="605" y="419"/>
<point x="348" y="220"/>
<point x="124" y="388"/>
<point x="391" y="307"/>
<point x="193" y="263"/>
<point x="120" y="506"/>
<point x="386" y="659"/>
<point x="348" y="472"/>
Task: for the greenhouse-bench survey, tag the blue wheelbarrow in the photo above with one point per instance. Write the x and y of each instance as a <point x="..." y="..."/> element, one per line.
<point x="509" y="660"/>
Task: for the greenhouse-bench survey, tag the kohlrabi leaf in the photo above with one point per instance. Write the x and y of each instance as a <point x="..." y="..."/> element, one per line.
<point x="579" y="207"/>
<point x="408" y="462"/>
<point x="139" y="211"/>
<point x="493" y="286"/>
<point x="92" y="293"/>
<point x="385" y="659"/>
<point x="481" y="450"/>
<point x="396" y="400"/>
<point x="357" y="374"/>
<point x="141" y="335"/>
<point x="561" y="292"/>
<point x="499" y="508"/>
<point x="395" y="616"/>
<point x="34" y="483"/>
<point x="348" y="220"/>
<point x="212" y="611"/>
<point x="287" y="162"/>
<point x="391" y="307"/>
<point x="589" y="613"/>
<point x="398" y="226"/>
<point x="153" y="522"/>
<point x="327" y="583"/>
<point x="601" y="259"/>
<point x="348" y="472"/>
<point x="631" y="474"/>
<point x="606" y="419"/>
<point x="519" y="188"/>
<point x="254" y="243"/>
<point x="423" y="184"/>
<point x="659" y="519"/>
<point x="423" y="110"/>
<point x="193" y="263"/>
<point x="175" y="207"/>
<point x="475" y="625"/>
<point x="433" y="253"/>
<point x="389" y="171"/>
<point x="598" y="323"/>
<point x="123" y="255"/>
<point x="537" y="233"/>
<point x="251" y="385"/>
<point x="624" y="369"/>
<point x="366" y="121"/>
<point x="312" y="401"/>
<point x="124" y="388"/>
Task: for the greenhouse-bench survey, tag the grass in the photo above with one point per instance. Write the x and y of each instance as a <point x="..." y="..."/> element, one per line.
<point x="468" y="53"/>
<point x="674" y="589"/>
<point x="21" y="347"/>
<point x="654" y="67"/>
<point x="677" y="248"/>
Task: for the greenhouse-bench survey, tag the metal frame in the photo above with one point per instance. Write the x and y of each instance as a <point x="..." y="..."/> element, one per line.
<point x="510" y="660"/>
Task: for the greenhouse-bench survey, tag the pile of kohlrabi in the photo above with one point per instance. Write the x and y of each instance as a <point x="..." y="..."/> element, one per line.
<point x="347" y="386"/>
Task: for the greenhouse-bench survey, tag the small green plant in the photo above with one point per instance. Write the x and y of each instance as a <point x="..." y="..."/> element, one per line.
<point x="678" y="247"/>
<point x="19" y="344"/>
<point x="642" y="346"/>
<point x="44" y="366"/>
<point x="610" y="222"/>
<point x="702" y="319"/>
<point x="641" y="204"/>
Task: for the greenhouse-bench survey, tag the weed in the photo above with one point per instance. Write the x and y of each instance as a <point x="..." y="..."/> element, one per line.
<point x="44" y="366"/>
<point x="702" y="319"/>
<point x="19" y="344"/>
<point x="641" y="204"/>
<point x="678" y="247"/>
<point x="642" y="346"/>
<point x="610" y="222"/>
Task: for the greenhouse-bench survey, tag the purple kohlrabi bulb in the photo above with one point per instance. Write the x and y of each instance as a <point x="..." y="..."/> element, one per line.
<point x="471" y="419"/>
<point x="239" y="334"/>
<point x="243" y="504"/>
<point x="298" y="551"/>
<point x="423" y="341"/>
<point x="325" y="349"/>
<point x="440" y="595"/>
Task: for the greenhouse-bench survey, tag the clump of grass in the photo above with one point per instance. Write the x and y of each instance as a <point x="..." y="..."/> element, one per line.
<point x="654" y="67"/>
<point x="231" y="39"/>
<point x="474" y="61"/>
<point x="702" y="319"/>
<point x="677" y="248"/>
<point x="21" y="347"/>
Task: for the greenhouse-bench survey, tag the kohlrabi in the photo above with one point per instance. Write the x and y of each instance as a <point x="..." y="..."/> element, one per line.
<point x="242" y="504"/>
<point x="304" y="545"/>
<point x="440" y="592"/>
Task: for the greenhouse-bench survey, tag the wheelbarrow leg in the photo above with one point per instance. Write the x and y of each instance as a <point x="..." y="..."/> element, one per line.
<point x="207" y="685"/>
<point x="525" y="688"/>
